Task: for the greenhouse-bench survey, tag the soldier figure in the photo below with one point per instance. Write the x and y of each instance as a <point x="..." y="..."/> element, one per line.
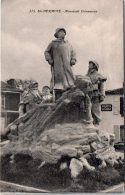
<point x="98" y="92"/>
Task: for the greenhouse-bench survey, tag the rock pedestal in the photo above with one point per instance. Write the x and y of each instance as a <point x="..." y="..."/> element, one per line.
<point x="52" y="131"/>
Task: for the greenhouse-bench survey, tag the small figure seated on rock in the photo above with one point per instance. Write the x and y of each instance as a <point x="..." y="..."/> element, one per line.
<point x="30" y="97"/>
<point x="46" y="95"/>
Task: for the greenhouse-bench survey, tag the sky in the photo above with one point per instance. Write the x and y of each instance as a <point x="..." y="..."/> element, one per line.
<point x="94" y="36"/>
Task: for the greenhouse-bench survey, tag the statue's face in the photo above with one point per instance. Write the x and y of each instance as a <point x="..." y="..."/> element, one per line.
<point x="61" y="34"/>
<point x="91" y="67"/>
<point x="46" y="91"/>
<point x="36" y="85"/>
<point x="105" y="139"/>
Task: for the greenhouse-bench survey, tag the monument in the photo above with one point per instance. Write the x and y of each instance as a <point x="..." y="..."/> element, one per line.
<point x="66" y="131"/>
<point x="51" y="131"/>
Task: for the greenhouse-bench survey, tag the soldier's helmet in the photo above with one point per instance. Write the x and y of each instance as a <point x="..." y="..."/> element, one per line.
<point x="33" y="85"/>
<point x="95" y="63"/>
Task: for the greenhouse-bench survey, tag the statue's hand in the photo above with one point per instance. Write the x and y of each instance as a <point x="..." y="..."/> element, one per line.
<point x="50" y="61"/>
<point x="102" y="97"/>
<point x="73" y="61"/>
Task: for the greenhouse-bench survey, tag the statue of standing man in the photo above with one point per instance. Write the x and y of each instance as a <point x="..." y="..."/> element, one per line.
<point x="61" y="56"/>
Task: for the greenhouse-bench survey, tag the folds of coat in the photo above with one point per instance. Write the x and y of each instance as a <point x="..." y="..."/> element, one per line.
<point x="61" y="53"/>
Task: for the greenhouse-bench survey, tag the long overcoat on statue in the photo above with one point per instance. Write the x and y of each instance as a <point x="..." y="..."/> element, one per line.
<point x="61" y="53"/>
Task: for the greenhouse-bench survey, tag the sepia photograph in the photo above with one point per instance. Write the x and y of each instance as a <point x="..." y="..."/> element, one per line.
<point x="62" y="96"/>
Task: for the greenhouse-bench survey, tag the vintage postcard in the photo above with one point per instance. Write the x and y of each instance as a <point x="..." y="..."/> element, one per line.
<point x="62" y="116"/>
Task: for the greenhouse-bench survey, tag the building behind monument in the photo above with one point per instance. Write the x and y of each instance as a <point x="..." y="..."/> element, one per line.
<point x="10" y="98"/>
<point x="113" y="119"/>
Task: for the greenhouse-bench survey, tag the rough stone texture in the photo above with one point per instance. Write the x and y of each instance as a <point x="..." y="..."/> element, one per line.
<point x="76" y="167"/>
<point x="51" y="131"/>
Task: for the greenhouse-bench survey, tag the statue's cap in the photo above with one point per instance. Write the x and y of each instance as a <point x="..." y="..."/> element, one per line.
<point x="57" y="30"/>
